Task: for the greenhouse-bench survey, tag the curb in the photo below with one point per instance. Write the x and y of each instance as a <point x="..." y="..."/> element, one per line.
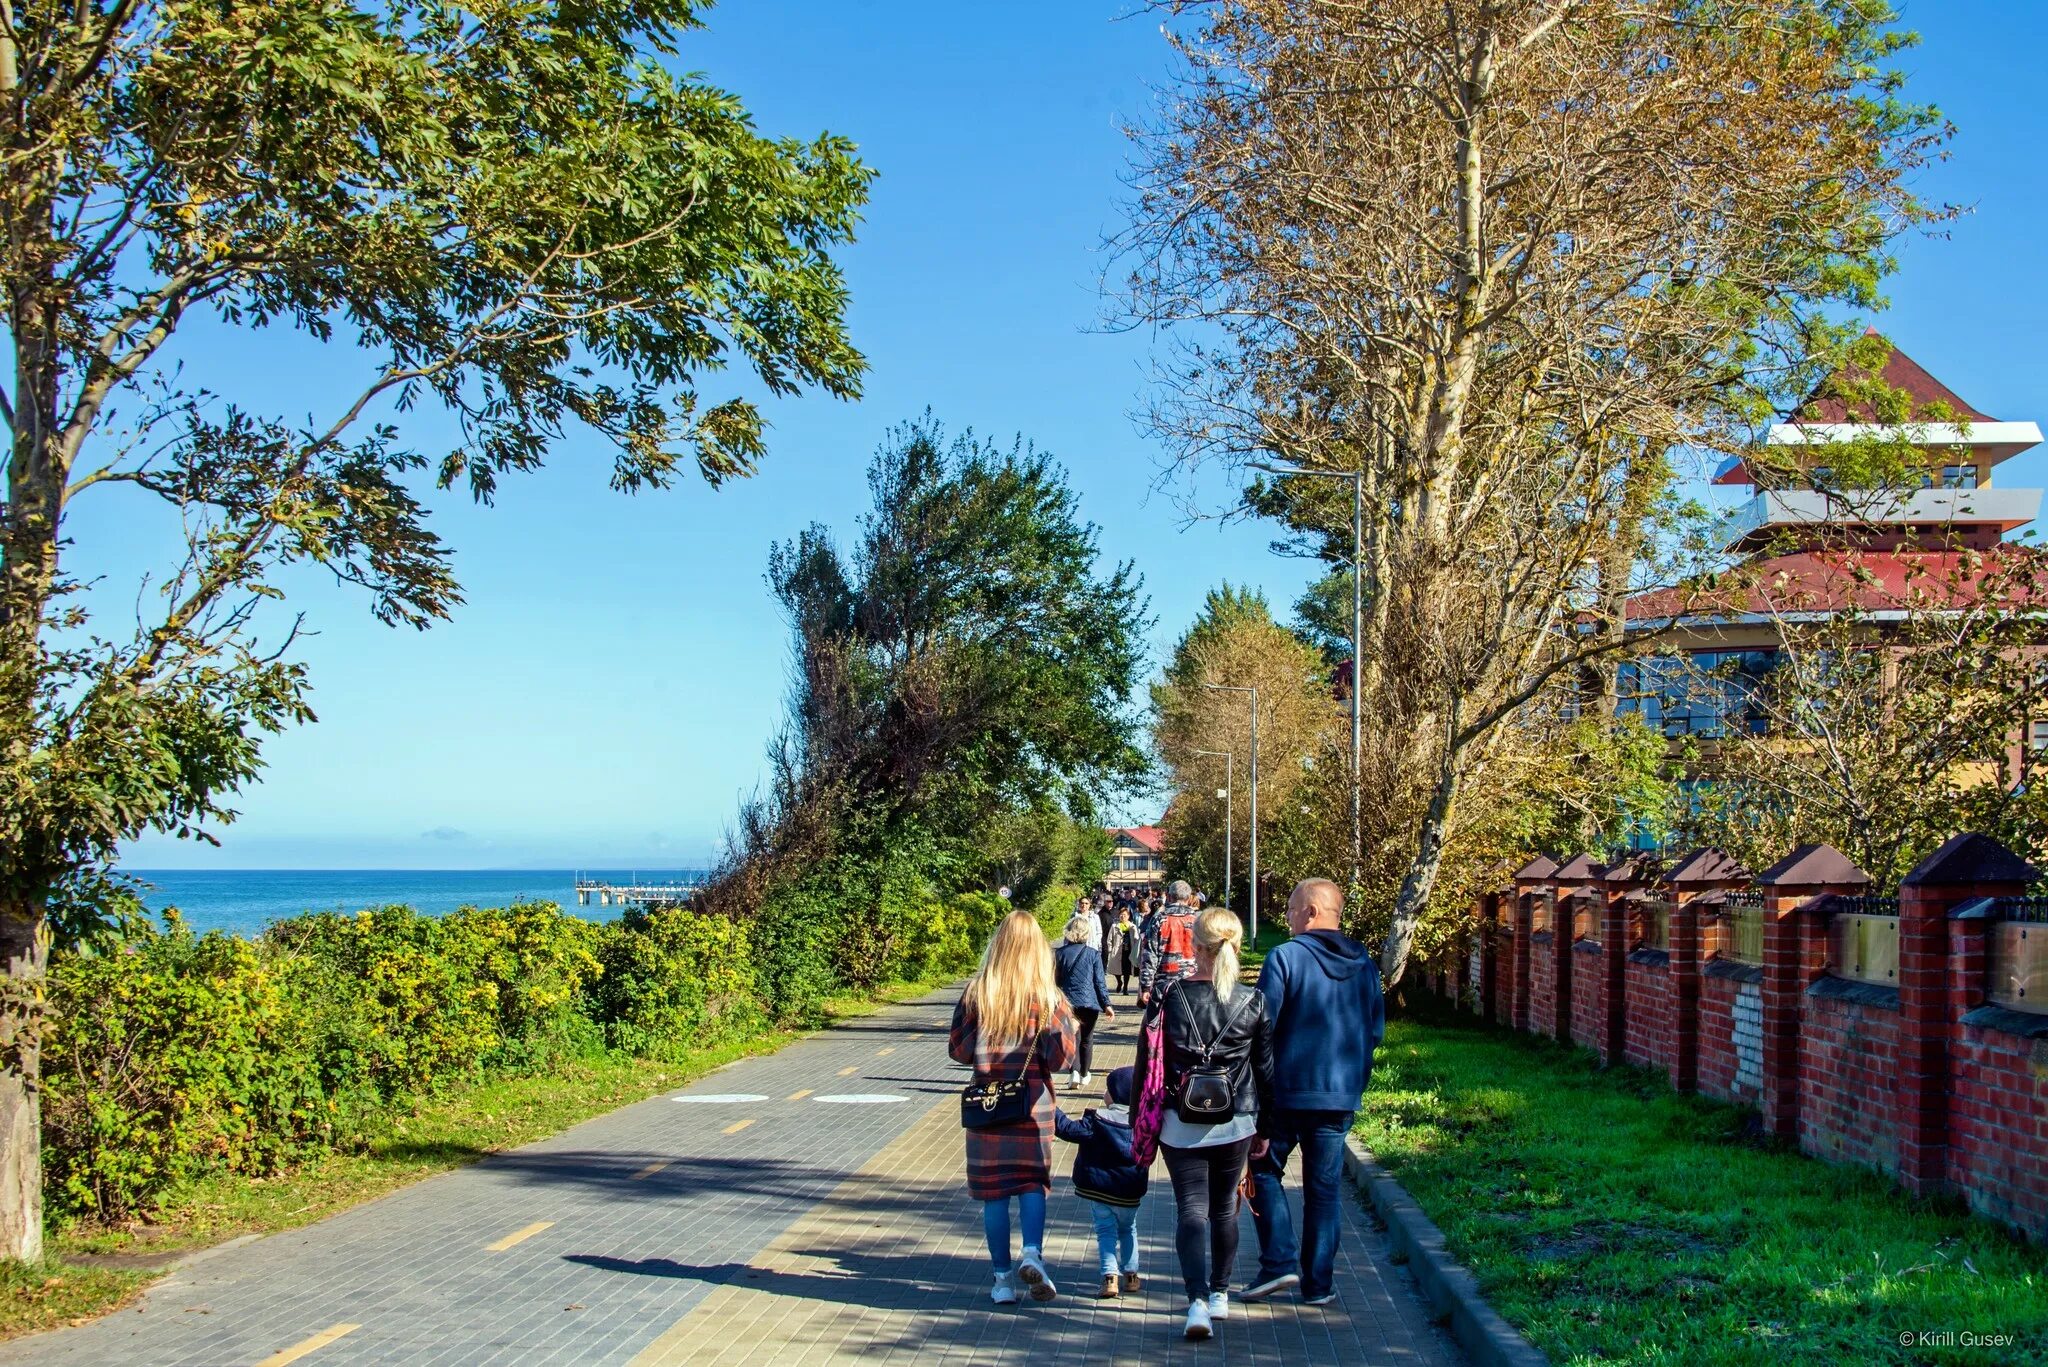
<point x="1451" y="1290"/>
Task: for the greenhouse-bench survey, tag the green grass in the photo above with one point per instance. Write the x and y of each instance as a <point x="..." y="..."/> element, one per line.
<point x="1611" y="1220"/>
<point x="92" y="1269"/>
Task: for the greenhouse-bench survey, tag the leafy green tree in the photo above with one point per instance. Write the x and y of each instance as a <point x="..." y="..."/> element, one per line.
<point x="965" y="663"/>
<point x="513" y="211"/>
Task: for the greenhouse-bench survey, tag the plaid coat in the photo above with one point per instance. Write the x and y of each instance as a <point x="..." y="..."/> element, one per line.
<point x="1009" y="1160"/>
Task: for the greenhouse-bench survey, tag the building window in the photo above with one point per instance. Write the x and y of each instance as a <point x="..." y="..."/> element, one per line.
<point x="1952" y="477"/>
<point x="2037" y="734"/>
<point x="1707" y="693"/>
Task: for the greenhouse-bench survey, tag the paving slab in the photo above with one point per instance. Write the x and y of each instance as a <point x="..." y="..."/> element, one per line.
<point x="750" y="1217"/>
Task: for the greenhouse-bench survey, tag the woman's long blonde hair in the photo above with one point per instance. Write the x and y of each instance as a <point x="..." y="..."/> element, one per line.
<point x="1013" y="993"/>
<point x="1219" y="934"/>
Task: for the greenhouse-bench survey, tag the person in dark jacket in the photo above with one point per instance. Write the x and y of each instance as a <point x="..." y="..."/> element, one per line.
<point x="1210" y="1022"/>
<point x="1110" y="1181"/>
<point x="1322" y="992"/>
<point x="1077" y="968"/>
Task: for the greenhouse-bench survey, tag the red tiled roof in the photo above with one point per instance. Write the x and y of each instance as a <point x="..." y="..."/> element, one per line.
<point x="1832" y="581"/>
<point x="1148" y="836"/>
<point x="1900" y="372"/>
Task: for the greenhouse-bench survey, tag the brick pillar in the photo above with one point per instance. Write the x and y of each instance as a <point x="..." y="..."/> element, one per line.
<point x="1529" y="881"/>
<point x="1695" y="887"/>
<point x="1519" y="959"/>
<point x="1686" y="955"/>
<point x="1809" y="872"/>
<point x="1617" y="937"/>
<point x="1564" y="908"/>
<point x="1932" y="985"/>
<point x="1489" y="955"/>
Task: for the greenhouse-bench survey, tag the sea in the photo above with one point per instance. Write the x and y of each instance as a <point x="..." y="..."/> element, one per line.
<point x="244" y="901"/>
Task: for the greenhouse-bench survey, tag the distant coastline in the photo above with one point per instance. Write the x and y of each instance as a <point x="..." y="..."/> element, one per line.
<point x="244" y="901"/>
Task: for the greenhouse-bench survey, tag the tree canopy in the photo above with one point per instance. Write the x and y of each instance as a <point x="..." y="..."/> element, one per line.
<point x="516" y="213"/>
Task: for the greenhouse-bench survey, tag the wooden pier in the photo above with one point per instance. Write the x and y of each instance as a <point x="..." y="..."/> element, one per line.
<point x="675" y="894"/>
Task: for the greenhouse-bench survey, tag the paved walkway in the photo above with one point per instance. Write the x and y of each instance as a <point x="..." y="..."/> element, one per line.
<point x="803" y="1207"/>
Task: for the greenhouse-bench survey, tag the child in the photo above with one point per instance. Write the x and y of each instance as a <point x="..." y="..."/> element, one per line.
<point x="1109" y="1181"/>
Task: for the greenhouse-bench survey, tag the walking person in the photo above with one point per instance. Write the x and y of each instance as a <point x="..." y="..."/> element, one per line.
<point x="1120" y="949"/>
<point x="1167" y="951"/>
<point x="1218" y="1075"/>
<point x="1077" y="970"/>
<point x="1110" y="1181"/>
<point x="1015" y="1030"/>
<point x="1322" y="993"/>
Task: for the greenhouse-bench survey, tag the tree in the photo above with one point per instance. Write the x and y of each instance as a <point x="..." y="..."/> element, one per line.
<point x="1500" y="257"/>
<point x="513" y="211"/>
<point x="1897" y="709"/>
<point x="964" y="665"/>
<point x="1235" y="641"/>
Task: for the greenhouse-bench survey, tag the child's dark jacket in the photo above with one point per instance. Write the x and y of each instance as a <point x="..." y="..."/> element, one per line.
<point x="1103" y="1169"/>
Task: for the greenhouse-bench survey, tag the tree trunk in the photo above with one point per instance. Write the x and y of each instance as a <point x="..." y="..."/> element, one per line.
<point x="1413" y="899"/>
<point x="25" y="946"/>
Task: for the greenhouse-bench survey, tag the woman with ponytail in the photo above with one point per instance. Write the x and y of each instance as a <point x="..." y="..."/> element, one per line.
<point x="1012" y="1025"/>
<point x="1218" y="1053"/>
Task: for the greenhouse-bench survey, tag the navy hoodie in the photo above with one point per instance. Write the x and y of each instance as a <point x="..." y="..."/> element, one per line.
<point x="1322" y="995"/>
<point x="1104" y="1169"/>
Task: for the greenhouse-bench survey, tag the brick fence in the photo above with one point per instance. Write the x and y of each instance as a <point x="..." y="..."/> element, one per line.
<point x="1907" y="1034"/>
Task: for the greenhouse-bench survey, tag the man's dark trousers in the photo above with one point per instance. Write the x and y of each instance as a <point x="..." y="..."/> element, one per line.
<point x="1320" y="1137"/>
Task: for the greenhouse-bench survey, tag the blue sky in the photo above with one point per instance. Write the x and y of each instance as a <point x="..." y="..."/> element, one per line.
<point x="605" y="696"/>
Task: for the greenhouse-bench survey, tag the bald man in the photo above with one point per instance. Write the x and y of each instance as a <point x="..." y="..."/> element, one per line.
<point x="1322" y="993"/>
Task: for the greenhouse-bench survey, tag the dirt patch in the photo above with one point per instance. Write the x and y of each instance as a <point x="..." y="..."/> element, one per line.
<point x="1599" y="1237"/>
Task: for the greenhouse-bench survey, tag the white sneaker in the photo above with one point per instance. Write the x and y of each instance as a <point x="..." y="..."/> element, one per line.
<point x="1003" y="1293"/>
<point x="1073" y="1078"/>
<point x="1219" y="1305"/>
<point x="1031" y="1271"/>
<point x="1198" y="1320"/>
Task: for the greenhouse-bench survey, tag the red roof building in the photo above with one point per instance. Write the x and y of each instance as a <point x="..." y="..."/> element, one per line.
<point x="1138" y="859"/>
<point x="1811" y="549"/>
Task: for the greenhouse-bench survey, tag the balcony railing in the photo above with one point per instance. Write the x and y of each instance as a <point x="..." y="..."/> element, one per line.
<point x="2003" y="508"/>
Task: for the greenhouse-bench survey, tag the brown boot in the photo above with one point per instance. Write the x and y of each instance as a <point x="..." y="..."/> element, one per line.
<point x="1108" y="1291"/>
<point x="1131" y="1281"/>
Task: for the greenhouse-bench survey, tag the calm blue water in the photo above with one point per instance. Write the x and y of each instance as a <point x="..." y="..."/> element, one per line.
<point x="246" y="900"/>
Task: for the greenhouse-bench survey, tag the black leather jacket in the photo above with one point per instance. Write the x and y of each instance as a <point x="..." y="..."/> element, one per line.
<point x="1240" y="1033"/>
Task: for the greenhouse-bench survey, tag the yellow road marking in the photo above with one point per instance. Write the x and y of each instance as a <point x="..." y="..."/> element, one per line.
<point x="650" y="1169"/>
<point x="799" y="1096"/>
<point x="305" y="1346"/>
<point x="848" y="1072"/>
<point x="518" y="1236"/>
<point x="737" y="1126"/>
<point x="884" y="1053"/>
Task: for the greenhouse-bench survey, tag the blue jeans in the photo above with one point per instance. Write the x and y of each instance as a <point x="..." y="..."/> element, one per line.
<point x="1320" y="1137"/>
<point x="1116" y="1236"/>
<point x="995" y="1222"/>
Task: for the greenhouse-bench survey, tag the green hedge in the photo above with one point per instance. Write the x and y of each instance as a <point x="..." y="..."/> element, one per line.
<point x="181" y="1055"/>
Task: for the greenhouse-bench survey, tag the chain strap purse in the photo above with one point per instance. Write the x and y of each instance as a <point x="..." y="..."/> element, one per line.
<point x="999" y="1101"/>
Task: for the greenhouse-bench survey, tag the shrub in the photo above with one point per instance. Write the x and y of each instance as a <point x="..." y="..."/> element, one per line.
<point x="541" y="968"/>
<point x="1055" y="907"/>
<point x="173" y="1056"/>
<point x="674" y="980"/>
<point x="404" y="1015"/>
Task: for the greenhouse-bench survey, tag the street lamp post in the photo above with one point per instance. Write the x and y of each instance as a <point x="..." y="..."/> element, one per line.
<point x="1229" y="832"/>
<point x="1252" y="902"/>
<point x="1357" y="478"/>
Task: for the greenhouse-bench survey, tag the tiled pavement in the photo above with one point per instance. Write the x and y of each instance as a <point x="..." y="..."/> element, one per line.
<point x="785" y="1229"/>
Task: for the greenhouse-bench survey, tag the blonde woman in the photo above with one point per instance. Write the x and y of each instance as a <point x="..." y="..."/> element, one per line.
<point x="1218" y="1069"/>
<point x="1011" y="1024"/>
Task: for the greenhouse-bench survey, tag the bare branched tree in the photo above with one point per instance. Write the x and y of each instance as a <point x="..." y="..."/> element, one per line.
<point x="1503" y="257"/>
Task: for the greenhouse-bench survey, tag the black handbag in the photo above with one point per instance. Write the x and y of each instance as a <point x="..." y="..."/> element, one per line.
<point x="1205" y="1097"/>
<point x="999" y="1101"/>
